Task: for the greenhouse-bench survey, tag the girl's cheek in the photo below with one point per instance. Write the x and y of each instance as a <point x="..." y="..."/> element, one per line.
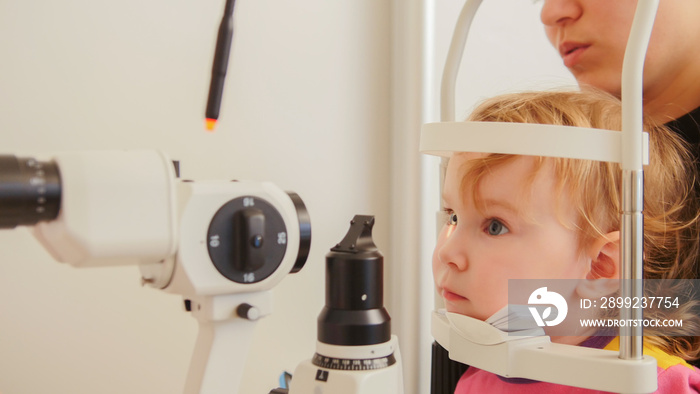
<point x="438" y="244"/>
<point x="436" y="263"/>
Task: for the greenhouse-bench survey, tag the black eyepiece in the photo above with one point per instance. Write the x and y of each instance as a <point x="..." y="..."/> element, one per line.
<point x="354" y="313"/>
<point x="30" y="191"/>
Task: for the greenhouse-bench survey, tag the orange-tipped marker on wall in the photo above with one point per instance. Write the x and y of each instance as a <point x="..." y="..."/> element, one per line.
<point x="218" y="70"/>
<point x="211" y="124"/>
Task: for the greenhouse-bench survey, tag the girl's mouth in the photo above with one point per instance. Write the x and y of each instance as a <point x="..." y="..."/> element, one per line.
<point x="450" y="296"/>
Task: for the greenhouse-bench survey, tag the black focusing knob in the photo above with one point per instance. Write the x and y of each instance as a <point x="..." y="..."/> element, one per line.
<point x="304" y="232"/>
<point x="247" y="239"/>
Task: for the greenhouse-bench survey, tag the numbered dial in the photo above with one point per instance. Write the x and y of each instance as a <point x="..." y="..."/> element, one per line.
<point x="247" y="239"/>
<point x="344" y="364"/>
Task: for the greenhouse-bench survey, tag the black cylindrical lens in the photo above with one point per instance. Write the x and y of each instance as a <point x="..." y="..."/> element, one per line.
<point x="30" y="191"/>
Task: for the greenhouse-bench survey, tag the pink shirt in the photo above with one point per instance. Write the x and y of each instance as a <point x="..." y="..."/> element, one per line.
<point x="675" y="376"/>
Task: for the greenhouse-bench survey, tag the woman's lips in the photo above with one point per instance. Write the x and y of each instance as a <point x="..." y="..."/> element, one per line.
<point x="571" y="52"/>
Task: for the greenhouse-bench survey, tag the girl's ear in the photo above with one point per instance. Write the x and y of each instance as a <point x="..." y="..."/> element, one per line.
<point x="603" y="277"/>
<point x="605" y="257"/>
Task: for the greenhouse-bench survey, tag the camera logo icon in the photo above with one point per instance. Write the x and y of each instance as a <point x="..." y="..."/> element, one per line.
<point x="543" y="297"/>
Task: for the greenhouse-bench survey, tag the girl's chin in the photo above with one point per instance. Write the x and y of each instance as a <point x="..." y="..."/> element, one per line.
<point x="449" y="307"/>
<point x="464" y="311"/>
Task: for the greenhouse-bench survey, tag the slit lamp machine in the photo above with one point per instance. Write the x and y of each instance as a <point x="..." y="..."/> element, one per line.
<point x="223" y="246"/>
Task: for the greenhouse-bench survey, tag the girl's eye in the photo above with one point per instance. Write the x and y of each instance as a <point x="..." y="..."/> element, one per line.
<point x="495" y="227"/>
<point x="451" y="219"/>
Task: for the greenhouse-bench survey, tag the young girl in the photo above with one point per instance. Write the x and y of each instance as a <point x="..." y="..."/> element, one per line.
<point x="525" y="217"/>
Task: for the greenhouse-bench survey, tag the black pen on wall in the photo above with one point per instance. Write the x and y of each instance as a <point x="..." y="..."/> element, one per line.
<point x="218" y="70"/>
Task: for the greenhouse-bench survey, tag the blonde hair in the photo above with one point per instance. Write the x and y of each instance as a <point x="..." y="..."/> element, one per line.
<point x="670" y="205"/>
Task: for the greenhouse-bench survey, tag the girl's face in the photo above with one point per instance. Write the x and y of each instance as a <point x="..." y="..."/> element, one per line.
<point x="519" y="234"/>
<point x="591" y="37"/>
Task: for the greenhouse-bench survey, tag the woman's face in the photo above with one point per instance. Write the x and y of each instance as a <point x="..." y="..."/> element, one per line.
<point x="591" y="37"/>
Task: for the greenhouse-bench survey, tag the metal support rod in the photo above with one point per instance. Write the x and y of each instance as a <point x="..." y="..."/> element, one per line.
<point x="632" y="262"/>
<point x="632" y="226"/>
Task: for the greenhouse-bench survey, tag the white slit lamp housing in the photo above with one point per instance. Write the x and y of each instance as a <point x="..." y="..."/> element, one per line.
<point x="222" y="245"/>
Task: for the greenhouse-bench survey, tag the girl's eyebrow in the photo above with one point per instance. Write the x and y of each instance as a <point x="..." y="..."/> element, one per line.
<point x="499" y="203"/>
<point x="445" y="200"/>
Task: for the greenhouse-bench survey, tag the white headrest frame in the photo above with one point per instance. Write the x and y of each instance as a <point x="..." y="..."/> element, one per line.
<point x="630" y="147"/>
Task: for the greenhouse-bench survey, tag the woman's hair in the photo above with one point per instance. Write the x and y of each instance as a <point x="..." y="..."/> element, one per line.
<point x="670" y="204"/>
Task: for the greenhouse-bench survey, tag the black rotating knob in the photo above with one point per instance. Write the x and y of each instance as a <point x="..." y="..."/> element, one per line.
<point x="248" y="239"/>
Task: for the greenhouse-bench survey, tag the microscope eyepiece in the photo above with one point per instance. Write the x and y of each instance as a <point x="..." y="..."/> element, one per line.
<point x="354" y="313"/>
<point x="355" y="351"/>
<point x="30" y="191"/>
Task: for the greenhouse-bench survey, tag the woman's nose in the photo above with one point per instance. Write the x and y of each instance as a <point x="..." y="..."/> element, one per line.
<point x="555" y="12"/>
<point x="451" y="249"/>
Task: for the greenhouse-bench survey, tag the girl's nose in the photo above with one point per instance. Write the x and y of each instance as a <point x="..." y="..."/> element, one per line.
<point x="556" y="12"/>
<point x="451" y="249"/>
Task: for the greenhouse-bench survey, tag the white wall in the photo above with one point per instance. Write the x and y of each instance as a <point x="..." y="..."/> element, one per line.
<point x="306" y="106"/>
<point x="324" y="98"/>
<point x="507" y="51"/>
